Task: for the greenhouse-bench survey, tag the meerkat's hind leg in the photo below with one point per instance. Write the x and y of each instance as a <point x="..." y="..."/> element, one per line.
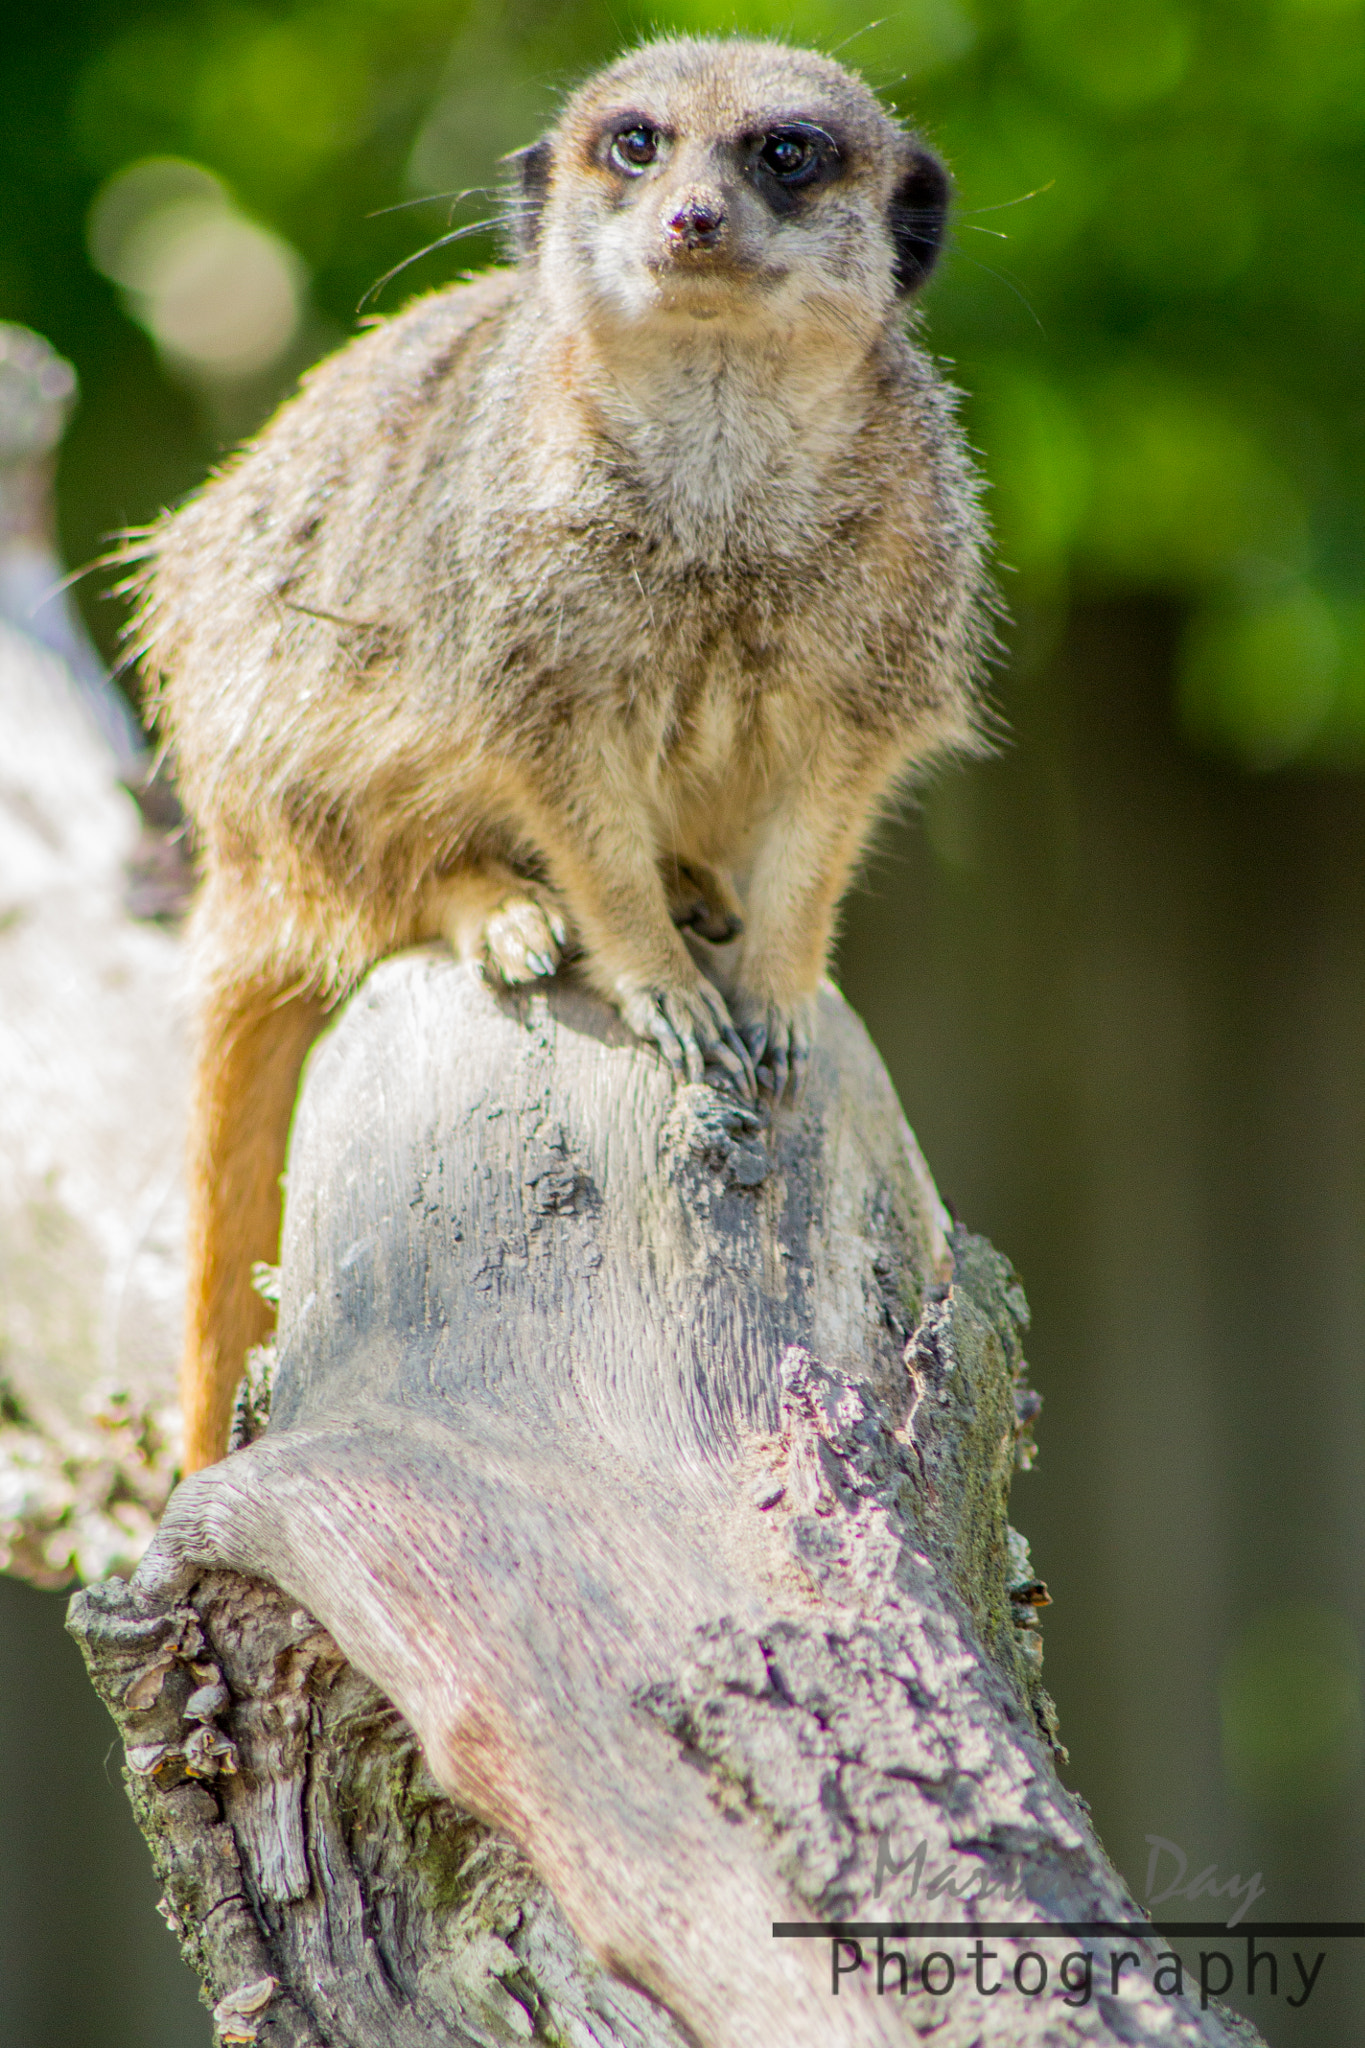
<point x="512" y="927"/>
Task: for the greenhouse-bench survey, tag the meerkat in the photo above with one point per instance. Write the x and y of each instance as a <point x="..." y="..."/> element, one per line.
<point x="598" y="596"/>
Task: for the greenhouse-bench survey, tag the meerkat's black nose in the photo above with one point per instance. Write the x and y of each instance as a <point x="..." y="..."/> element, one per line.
<point x="697" y="223"/>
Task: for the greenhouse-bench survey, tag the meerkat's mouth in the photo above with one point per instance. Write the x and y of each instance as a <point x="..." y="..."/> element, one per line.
<point x="695" y="274"/>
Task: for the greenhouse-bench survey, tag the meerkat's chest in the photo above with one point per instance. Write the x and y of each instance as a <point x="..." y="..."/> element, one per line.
<point x="716" y="596"/>
<point x="719" y="494"/>
<point x="714" y="730"/>
<point x="678" y="590"/>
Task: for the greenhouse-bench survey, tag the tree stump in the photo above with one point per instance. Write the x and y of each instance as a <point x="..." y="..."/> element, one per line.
<point x="624" y="1569"/>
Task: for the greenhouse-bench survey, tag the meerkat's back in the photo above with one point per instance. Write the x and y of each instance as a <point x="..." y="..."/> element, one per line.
<point x="288" y="613"/>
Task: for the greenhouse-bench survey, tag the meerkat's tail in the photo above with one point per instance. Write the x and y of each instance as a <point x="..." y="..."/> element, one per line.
<point x="254" y="1036"/>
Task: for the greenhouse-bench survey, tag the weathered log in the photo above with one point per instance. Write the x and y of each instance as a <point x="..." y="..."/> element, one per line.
<point x="624" y="1568"/>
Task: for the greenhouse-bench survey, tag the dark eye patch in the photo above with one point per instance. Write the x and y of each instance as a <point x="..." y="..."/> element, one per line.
<point x="789" y="160"/>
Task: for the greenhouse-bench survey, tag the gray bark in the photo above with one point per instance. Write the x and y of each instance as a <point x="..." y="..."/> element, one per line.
<point x="626" y="1555"/>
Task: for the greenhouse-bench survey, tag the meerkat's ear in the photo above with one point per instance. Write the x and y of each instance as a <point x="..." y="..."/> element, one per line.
<point x="918" y="216"/>
<point x="530" y="188"/>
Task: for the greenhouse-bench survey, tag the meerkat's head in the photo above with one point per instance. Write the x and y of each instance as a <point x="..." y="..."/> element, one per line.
<point x="732" y="181"/>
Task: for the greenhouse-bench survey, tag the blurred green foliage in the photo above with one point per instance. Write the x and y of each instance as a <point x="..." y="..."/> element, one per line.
<point x="1153" y="297"/>
<point x="1293" y="1732"/>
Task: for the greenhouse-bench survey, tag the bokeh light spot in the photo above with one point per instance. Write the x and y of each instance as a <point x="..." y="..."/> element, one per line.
<point x="1257" y="681"/>
<point x="220" y="295"/>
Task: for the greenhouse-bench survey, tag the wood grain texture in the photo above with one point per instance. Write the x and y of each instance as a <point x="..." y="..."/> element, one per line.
<point x="626" y="1554"/>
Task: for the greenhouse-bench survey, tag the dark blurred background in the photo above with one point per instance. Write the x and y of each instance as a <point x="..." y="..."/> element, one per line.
<point x="1118" y="970"/>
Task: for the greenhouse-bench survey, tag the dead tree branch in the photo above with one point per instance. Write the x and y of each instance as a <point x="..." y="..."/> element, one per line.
<point x="625" y="1565"/>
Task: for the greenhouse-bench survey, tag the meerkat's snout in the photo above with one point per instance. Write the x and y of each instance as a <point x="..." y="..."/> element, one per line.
<point x="696" y="221"/>
<point x="684" y="209"/>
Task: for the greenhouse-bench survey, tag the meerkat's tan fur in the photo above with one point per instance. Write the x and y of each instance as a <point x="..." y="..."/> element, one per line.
<point x="609" y="591"/>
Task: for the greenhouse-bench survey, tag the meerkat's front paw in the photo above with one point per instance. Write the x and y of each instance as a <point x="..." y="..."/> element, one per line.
<point x="777" y="1037"/>
<point x="523" y="939"/>
<point x="693" y="1030"/>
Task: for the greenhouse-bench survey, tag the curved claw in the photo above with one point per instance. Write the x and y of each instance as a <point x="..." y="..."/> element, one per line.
<point x="693" y="1030"/>
<point x="778" y="1041"/>
<point x="725" y="1048"/>
<point x="650" y="1021"/>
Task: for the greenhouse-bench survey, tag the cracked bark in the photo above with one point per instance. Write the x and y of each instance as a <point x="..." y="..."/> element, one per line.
<point x="625" y="1556"/>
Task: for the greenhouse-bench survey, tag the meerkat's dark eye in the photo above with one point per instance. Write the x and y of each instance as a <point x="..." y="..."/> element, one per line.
<point x="634" y="149"/>
<point x="795" y="156"/>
